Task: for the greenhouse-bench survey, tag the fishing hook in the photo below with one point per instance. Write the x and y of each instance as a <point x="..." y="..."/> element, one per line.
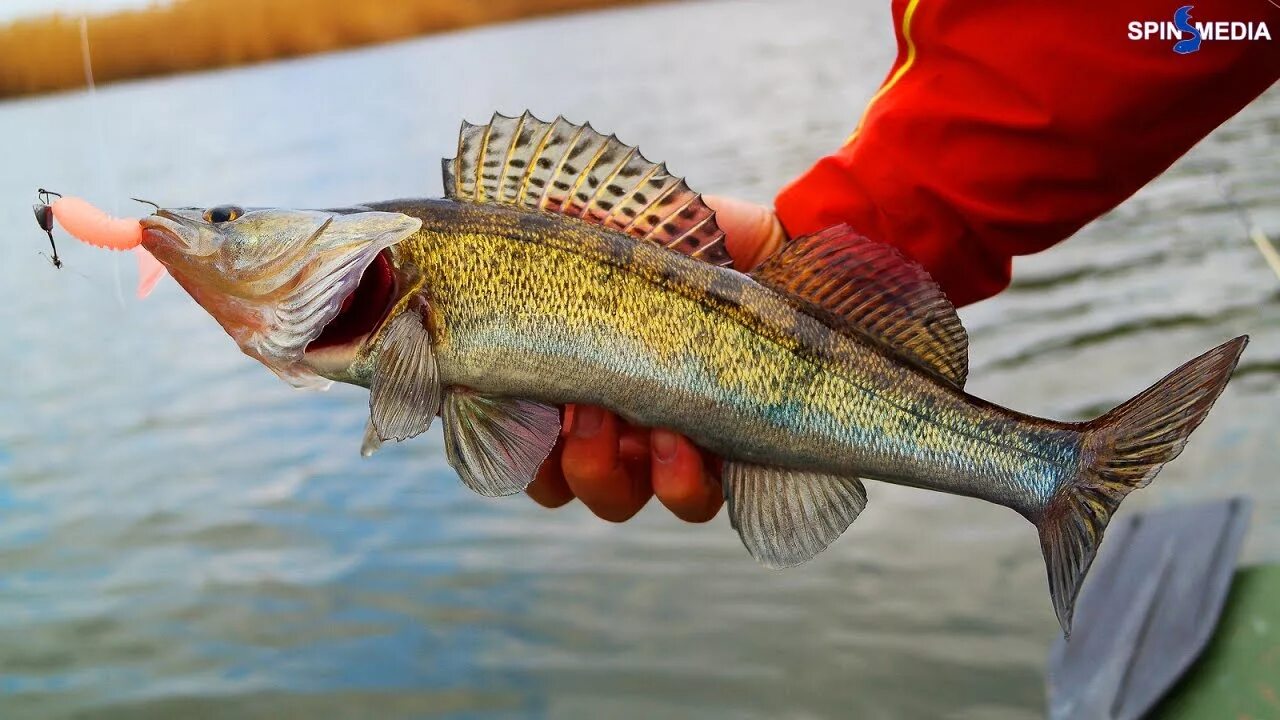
<point x="44" y="216"/>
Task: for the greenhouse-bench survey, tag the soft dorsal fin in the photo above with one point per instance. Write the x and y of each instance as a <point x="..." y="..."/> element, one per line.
<point x="572" y="170"/>
<point x="873" y="289"/>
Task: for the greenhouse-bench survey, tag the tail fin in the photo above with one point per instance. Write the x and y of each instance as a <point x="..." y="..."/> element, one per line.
<point x="1123" y="451"/>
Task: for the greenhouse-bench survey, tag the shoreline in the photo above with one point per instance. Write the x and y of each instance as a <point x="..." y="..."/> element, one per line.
<point x="43" y="55"/>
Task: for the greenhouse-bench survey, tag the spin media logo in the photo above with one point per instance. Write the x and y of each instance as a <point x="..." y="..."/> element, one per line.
<point x="1188" y="35"/>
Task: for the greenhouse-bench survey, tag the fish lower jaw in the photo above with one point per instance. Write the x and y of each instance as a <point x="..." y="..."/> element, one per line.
<point x="336" y="362"/>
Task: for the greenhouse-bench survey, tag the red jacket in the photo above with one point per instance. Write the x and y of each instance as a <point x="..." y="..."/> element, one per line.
<point x="1004" y="126"/>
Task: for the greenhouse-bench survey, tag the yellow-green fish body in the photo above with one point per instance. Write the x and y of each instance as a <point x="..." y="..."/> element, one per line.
<point x="564" y="267"/>
<point x="557" y="310"/>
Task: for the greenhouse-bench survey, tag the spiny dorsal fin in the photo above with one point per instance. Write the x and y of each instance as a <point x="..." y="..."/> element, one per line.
<point x="572" y="170"/>
<point x="874" y="289"/>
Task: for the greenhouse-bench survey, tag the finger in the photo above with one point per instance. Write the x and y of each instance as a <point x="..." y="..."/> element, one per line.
<point x="633" y="444"/>
<point x="633" y="454"/>
<point x="592" y="469"/>
<point x="548" y="488"/>
<point x="680" y="479"/>
<point x="751" y="232"/>
<point x="566" y="419"/>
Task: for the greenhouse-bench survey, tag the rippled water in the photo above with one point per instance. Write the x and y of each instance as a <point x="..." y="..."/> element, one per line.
<point x="182" y="535"/>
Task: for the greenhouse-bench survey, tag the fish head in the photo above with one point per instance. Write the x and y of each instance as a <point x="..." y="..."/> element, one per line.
<point x="286" y="285"/>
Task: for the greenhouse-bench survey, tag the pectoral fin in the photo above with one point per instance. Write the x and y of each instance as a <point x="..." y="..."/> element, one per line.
<point x="785" y="517"/>
<point x="405" y="393"/>
<point x="495" y="443"/>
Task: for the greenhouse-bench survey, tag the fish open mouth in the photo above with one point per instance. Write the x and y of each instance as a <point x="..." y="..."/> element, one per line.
<point x="363" y="309"/>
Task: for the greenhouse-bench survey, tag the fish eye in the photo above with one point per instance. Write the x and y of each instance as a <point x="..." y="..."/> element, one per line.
<point x="222" y="213"/>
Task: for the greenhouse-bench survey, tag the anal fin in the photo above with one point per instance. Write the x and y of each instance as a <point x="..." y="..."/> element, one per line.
<point x="786" y="517"/>
<point x="496" y="444"/>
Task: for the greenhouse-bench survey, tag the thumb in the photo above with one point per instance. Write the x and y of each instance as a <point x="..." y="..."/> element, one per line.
<point x="751" y="232"/>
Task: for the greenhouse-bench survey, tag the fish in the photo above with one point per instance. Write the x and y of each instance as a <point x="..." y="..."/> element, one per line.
<point x="562" y="266"/>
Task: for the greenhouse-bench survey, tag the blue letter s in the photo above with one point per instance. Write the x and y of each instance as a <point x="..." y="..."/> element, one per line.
<point x="1181" y="19"/>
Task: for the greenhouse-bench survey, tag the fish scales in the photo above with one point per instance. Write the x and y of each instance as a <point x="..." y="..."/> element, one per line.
<point x="551" y="308"/>
<point x="563" y="266"/>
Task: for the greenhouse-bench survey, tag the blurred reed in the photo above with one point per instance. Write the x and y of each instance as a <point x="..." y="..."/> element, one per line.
<point x="43" y="54"/>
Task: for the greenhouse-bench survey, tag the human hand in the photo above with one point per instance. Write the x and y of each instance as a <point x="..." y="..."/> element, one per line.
<point x="615" y="467"/>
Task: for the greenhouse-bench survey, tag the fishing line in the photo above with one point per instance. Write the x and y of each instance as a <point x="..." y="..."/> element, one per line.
<point x="105" y="175"/>
<point x="1255" y="234"/>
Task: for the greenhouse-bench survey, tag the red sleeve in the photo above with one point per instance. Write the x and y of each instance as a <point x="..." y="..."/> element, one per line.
<point x="1006" y="125"/>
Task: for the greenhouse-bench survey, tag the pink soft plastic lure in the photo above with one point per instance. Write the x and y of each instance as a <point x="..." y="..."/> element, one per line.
<point x="92" y="226"/>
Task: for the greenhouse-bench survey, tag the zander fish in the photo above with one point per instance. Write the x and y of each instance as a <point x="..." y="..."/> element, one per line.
<point x="563" y="267"/>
